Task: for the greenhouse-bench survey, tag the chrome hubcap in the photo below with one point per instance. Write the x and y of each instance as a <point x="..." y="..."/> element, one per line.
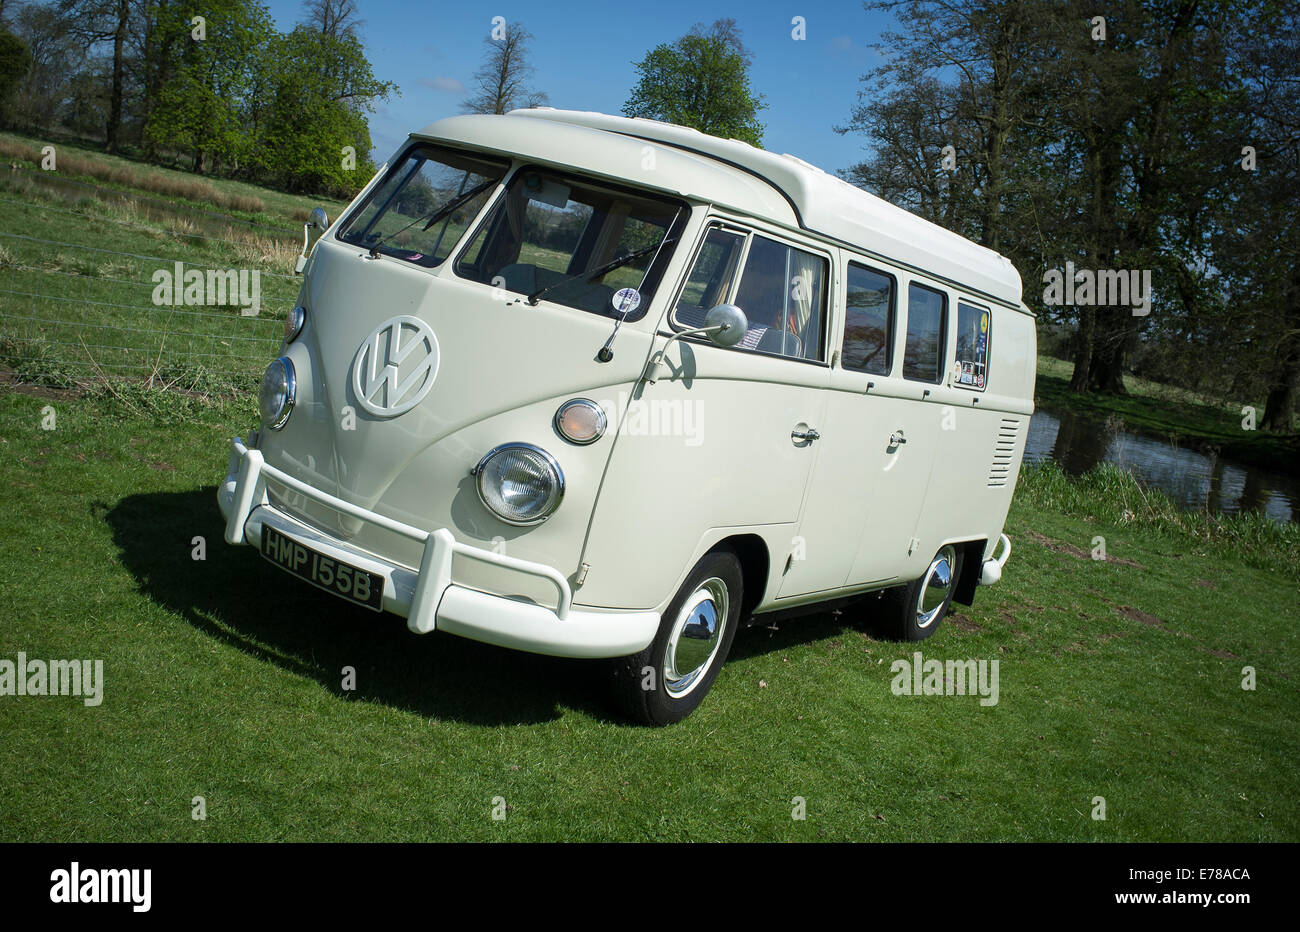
<point x="695" y="637"/>
<point x="936" y="587"/>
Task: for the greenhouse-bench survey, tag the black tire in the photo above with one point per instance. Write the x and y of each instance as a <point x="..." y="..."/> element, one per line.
<point x="897" y="615"/>
<point x="645" y="688"/>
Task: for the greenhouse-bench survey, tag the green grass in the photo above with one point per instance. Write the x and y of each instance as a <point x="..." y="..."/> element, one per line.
<point x="1167" y="411"/>
<point x="92" y="165"/>
<point x="1118" y="678"/>
<point x="77" y="288"/>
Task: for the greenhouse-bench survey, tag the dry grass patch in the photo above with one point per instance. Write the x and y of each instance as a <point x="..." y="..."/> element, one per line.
<point x="192" y="189"/>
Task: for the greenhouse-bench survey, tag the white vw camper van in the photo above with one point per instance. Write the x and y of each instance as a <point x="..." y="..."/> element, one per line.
<point x="602" y="387"/>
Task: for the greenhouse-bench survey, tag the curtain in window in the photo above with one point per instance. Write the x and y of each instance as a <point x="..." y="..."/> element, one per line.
<point x="805" y="280"/>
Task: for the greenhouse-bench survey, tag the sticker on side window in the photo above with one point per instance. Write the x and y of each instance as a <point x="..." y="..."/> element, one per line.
<point x="972" y="345"/>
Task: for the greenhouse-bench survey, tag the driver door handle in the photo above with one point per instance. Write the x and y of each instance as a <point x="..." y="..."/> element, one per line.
<point x="809" y="435"/>
<point x="896" y="438"/>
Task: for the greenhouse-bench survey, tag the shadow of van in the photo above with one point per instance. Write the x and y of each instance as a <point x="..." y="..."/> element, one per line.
<point x="236" y="597"/>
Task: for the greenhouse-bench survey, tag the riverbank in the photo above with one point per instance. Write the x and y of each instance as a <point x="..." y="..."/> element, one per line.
<point x="1164" y="412"/>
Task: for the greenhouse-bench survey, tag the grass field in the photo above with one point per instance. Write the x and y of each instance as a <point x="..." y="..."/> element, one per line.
<point x="234" y="198"/>
<point x="1120" y="679"/>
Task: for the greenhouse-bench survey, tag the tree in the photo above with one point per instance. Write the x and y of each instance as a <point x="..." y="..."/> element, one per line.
<point x="501" y="83"/>
<point x="1259" y="250"/>
<point x="988" y="47"/>
<point x="700" y="81"/>
<point x="333" y="18"/>
<point x="96" y="22"/>
<point x="42" y="91"/>
<point x="1105" y="150"/>
<point x="200" y="110"/>
<point x="314" y="92"/>
<point x="15" y="62"/>
<point x="162" y="35"/>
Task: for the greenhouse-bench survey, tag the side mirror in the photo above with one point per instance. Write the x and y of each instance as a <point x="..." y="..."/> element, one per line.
<point x="730" y="323"/>
<point x="724" y="325"/>
<point x="317" y="223"/>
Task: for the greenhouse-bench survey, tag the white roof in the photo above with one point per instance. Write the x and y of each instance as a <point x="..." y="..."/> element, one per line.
<point x="616" y="157"/>
<point x="823" y="203"/>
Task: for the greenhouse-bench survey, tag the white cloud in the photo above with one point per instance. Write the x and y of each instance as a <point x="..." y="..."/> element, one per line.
<point x="450" y="85"/>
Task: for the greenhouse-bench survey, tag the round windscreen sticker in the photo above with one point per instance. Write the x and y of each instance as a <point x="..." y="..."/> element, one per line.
<point x="626" y="300"/>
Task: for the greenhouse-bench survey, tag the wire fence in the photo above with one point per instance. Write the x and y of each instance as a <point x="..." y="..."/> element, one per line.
<point x="76" y="312"/>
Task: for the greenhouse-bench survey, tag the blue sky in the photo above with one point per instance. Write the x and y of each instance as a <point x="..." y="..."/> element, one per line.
<point x="583" y="53"/>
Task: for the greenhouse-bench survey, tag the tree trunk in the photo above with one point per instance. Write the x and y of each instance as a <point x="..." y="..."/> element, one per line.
<point x="114" y="127"/>
<point x="1083" y="337"/>
<point x="1106" y="374"/>
<point x="1279" y="407"/>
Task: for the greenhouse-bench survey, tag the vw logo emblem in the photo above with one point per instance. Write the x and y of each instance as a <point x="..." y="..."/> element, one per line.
<point x="395" y="366"/>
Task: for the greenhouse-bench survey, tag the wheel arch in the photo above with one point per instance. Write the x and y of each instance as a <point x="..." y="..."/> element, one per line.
<point x="755" y="564"/>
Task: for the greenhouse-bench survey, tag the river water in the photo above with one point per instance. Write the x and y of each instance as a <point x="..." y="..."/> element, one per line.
<point x="1196" y="481"/>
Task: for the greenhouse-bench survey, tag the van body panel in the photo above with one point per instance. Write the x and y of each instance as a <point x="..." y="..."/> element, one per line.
<point x="739" y="468"/>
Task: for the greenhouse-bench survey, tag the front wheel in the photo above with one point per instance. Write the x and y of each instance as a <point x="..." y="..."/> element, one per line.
<point x="665" y="682"/>
<point x="914" y="612"/>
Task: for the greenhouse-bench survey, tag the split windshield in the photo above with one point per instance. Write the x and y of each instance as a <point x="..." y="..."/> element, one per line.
<point x="574" y="242"/>
<point x="422" y="207"/>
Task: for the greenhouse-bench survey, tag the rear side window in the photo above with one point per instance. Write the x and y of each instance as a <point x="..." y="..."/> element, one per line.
<point x="782" y="291"/>
<point x="972" y="366"/>
<point x="868" y="321"/>
<point x="927" y="312"/>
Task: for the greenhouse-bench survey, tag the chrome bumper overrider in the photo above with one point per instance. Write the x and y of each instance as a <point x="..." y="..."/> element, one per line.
<point x="991" y="571"/>
<point x="426" y="595"/>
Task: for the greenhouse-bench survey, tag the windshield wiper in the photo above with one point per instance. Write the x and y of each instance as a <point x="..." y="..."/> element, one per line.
<point x="458" y="201"/>
<point x="605" y="269"/>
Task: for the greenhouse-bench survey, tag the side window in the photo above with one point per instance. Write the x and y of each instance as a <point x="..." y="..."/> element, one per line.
<point x="927" y="312"/>
<point x="869" y="321"/>
<point x="782" y="291"/>
<point x="972" y="367"/>
<point x="574" y="241"/>
<point x="710" y="281"/>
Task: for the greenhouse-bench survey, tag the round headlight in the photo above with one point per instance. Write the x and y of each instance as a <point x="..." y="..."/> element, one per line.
<point x="580" y="421"/>
<point x="519" y="483"/>
<point x="293" y="323"/>
<point x="276" y="396"/>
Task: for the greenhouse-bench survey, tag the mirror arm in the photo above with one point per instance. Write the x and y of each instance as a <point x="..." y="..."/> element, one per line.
<point x="316" y="220"/>
<point x="302" y="258"/>
<point x="652" y="370"/>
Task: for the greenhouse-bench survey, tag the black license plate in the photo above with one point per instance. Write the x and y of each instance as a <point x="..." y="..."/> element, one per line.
<point x="342" y="579"/>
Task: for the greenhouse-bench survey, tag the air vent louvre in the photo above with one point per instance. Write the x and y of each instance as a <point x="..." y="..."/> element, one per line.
<point x="1004" y="448"/>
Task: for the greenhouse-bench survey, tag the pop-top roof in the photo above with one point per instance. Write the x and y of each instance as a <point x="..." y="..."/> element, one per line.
<point x="827" y="204"/>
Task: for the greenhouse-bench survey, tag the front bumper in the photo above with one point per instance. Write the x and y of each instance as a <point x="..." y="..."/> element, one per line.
<point x="426" y="595"/>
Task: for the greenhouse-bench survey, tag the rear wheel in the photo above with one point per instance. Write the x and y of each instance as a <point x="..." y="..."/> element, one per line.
<point x="914" y="612"/>
<point x="665" y="682"/>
